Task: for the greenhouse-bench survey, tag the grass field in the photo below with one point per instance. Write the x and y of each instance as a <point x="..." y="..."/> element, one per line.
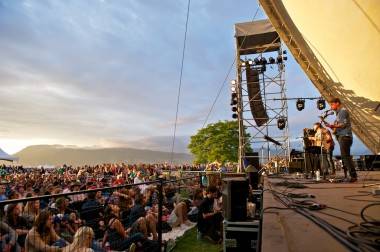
<point x="189" y="243"/>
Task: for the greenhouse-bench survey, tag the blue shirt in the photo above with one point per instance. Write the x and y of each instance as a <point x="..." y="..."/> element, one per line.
<point x="343" y="118"/>
<point x="3" y="197"/>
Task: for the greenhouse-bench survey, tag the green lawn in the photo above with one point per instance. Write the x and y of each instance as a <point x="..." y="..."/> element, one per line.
<point x="189" y="243"/>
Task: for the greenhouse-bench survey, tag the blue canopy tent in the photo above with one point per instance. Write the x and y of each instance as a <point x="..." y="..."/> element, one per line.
<point x="5" y="156"/>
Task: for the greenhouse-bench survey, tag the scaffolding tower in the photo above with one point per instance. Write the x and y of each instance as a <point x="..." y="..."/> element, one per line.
<point x="262" y="109"/>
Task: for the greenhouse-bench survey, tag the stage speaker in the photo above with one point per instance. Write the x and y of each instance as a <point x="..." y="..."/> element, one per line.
<point x="372" y="162"/>
<point x="252" y="158"/>
<point x="296" y="165"/>
<point x="258" y="110"/>
<point x="235" y="195"/>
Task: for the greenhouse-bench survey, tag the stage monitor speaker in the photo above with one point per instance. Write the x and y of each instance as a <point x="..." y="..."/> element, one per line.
<point x="296" y="165"/>
<point x="235" y="194"/>
<point x="372" y="162"/>
<point x="258" y="110"/>
<point x="252" y="158"/>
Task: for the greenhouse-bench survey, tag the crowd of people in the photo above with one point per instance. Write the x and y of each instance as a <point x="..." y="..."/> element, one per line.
<point x="120" y="220"/>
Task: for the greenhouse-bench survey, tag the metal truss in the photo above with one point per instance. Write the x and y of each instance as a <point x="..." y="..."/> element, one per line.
<point x="273" y="96"/>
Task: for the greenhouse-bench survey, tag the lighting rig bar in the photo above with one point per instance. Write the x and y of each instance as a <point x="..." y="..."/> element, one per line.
<point x="300" y="104"/>
<point x="297" y="98"/>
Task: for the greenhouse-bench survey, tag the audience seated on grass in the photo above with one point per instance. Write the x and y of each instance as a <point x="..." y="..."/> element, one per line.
<point x="83" y="240"/>
<point x="122" y="219"/>
<point x="42" y="237"/>
<point x="178" y="216"/>
<point x="210" y="219"/>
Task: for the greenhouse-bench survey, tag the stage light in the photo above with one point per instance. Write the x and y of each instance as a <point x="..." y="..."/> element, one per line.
<point x="321" y="104"/>
<point x="263" y="61"/>
<point x="263" y="68"/>
<point x="272" y="60"/>
<point x="234" y="102"/>
<point x="233" y="99"/>
<point x="250" y="62"/>
<point x="242" y="63"/>
<point x="300" y="104"/>
<point x="279" y="59"/>
<point x="233" y="86"/>
<point x="281" y="123"/>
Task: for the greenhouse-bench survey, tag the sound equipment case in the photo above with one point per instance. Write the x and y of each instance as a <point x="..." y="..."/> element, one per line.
<point x="239" y="236"/>
<point x="244" y="236"/>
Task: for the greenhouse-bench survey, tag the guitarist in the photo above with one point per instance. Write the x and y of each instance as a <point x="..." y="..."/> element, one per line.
<point x="343" y="132"/>
<point x="323" y="138"/>
<point x="329" y="145"/>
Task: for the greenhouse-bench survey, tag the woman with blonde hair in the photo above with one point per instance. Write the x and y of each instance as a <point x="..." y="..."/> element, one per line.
<point x="82" y="241"/>
<point x="31" y="210"/>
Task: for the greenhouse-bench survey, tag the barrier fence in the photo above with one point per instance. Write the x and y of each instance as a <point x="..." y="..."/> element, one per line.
<point x="184" y="180"/>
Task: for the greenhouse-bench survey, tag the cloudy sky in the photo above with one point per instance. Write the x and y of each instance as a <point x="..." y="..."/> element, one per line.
<point x="106" y="72"/>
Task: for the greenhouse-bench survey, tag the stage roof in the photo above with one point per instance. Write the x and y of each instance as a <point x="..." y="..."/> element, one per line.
<point x="337" y="44"/>
<point x="254" y="37"/>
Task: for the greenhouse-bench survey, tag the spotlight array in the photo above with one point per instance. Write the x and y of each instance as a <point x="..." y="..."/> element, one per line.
<point x="262" y="61"/>
<point x="234" y="99"/>
<point x="300" y="104"/>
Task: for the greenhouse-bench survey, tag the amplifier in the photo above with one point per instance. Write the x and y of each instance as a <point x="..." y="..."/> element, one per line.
<point x="241" y="236"/>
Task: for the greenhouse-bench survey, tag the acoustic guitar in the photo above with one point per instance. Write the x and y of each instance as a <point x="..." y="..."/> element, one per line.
<point x="326" y="123"/>
<point x="329" y="142"/>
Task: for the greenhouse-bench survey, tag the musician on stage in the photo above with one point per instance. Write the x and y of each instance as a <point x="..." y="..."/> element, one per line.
<point x="343" y="133"/>
<point x="324" y="140"/>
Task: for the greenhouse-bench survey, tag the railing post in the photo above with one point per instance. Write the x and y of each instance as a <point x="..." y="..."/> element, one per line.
<point x="160" y="203"/>
<point x="179" y="182"/>
<point x="200" y="180"/>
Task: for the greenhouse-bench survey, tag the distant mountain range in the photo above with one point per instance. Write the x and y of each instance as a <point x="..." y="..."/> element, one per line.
<point x="160" y="143"/>
<point x="58" y="154"/>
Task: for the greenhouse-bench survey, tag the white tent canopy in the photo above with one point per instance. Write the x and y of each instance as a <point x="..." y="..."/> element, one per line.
<point x="337" y="44"/>
<point x="5" y="156"/>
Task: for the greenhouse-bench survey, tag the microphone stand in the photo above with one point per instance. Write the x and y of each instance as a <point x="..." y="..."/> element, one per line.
<point x="304" y="155"/>
<point x="322" y="118"/>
